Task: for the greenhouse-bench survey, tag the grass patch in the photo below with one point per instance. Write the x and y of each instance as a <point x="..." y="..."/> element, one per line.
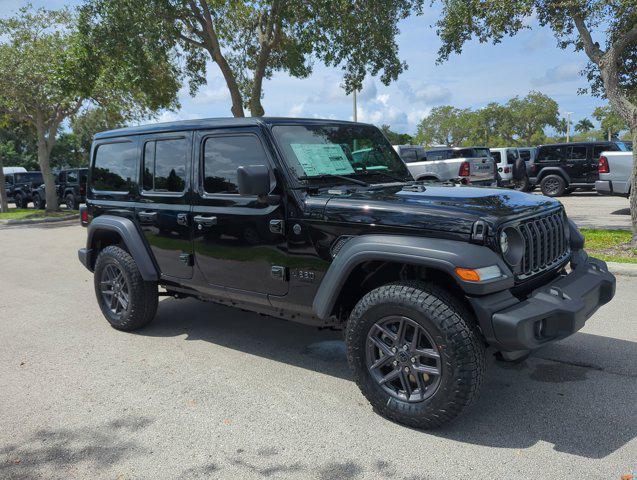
<point x="28" y="214"/>
<point x="610" y="245"/>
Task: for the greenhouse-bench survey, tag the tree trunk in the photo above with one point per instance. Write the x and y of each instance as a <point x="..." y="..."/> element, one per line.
<point x="4" y="204"/>
<point x="633" y="186"/>
<point x="44" y="151"/>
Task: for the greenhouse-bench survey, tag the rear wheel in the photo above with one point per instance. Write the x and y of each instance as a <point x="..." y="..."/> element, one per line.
<point x="522" y="185"/>
<point x="127" y="301"/>
<point x="38" y="202"/>
<point x="553" y="186"/>
<point x="415" y="353"/>
<point x="70" y="201"/>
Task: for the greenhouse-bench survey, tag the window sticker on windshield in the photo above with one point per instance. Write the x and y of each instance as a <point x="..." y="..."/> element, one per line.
<point x="320" y="159"/>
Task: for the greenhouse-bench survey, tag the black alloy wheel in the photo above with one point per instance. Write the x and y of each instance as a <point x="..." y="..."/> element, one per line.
<point x="403" y="358"/>
<point x="114" y="289"/>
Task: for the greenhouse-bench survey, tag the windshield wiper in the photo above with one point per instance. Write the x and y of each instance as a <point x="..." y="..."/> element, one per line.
<point x="380" y="172"/>
<point x="333" y="175"/>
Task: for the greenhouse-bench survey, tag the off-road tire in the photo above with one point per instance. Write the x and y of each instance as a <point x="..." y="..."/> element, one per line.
<point x="553" y="186"/>
<point x="70" y="201"/>
<point x="20" y="201"/>
<point x="452" y="327"/>
<point x="143" y="296"/>
<point x="38" y="202"/>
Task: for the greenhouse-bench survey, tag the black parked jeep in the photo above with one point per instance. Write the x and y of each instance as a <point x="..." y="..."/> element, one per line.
<point x="563" y="167"/>
<point x="276" y="216"/>
<point x="20" y="187"/>
<point x="70" y="186"/>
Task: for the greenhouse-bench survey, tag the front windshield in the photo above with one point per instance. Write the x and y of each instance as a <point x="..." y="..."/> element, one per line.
<point x="26" y="177"/>
<point x="339" y="149"/>
<point x="622" y="146"/>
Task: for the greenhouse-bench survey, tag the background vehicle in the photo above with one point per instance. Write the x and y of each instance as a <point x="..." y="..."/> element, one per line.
<point x="70" y="186"/>
<point x="507" y="161"/>
<point x="20" y="186"/>
<point x="615" y="173"/>
<point x="562" y="167"/>
<point x="7" y="170"/>
<point x="467" y="165"/>
<point x="278" y="216"/>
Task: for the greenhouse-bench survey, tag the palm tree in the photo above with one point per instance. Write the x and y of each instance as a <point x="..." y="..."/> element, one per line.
<point x="584" y="126"/>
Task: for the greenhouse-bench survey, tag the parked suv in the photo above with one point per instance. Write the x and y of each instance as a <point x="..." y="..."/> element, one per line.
<point x="466" y="165"/>
<point x="562" y="167"/>
<point x="20" y="187"/>
<point x="276" y="216"/>
<point x="70" y="186"/>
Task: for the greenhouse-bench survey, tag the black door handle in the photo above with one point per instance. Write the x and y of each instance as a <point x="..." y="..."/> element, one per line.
<point x="205" y="221"/>
<point x="147" y="216"/>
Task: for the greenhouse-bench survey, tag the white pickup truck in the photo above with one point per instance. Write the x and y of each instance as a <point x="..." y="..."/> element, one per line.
<point x="466" y="165"/>
<point x="615" y="170"/>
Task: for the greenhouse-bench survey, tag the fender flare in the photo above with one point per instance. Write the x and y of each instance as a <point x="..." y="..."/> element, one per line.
<point x="131" y="237"/>
<point x="437" y="253"/>
<point x="553" y="170"/>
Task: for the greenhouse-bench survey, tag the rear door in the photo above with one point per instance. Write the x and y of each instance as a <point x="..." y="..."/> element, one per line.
<point x="163" y="209"/>
<point x="239" y="241"/>
<point x="578" y="163"/>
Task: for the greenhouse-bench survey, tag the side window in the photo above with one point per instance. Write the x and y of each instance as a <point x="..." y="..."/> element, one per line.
<point x="511" y="157"/>
<point x="548" y="154"/>
<point x="525" y="155"/>
<point x="165" y="164"/>
<point x="62" y="177"/>
<point x="72" y="176"/>
<point x="496" y="156"/>
<point x="9" y="179"/>
<point x="115" y="167"/>
<point x="577" y="153"/>
<point x="408" y="155"/>
<point x="222" y="157"/>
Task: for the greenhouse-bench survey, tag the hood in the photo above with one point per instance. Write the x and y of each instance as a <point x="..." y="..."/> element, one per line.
<point x="443" y="208"/>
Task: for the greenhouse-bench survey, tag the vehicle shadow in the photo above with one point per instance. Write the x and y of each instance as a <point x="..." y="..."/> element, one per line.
<point x="576" y="405"/>
<point x="621" y="211"/>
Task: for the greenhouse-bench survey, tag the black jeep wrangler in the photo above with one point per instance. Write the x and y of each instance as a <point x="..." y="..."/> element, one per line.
<point x="20" y="187"/>
<point x="70" y="187"/>
<point x="563" y="167"/>
<point x="277" y="217"/>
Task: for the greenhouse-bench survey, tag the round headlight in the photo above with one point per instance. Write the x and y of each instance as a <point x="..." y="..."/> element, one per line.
<point x="512" y="245"/>
<point x="504" y="242"/>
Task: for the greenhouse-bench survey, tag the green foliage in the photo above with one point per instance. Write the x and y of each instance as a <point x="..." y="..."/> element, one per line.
<point x="584" y="126"/>
<point x="248" y="41"/>
<point x="92" y="121"/>
<point x="521" y="121"/>
<point x="610" y="121"/>
<point x="396" y="138"/>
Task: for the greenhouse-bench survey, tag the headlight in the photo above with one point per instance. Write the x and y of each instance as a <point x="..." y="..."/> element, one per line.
<point x="512" y="245"/>
<point x="504" y="242"/>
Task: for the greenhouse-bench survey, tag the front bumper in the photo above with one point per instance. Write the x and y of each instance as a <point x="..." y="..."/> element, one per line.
<point x="551" y="312"/>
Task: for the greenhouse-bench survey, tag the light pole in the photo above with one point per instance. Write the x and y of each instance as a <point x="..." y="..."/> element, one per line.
<point x="568" y="126"/>
<point x="355" y="116"/>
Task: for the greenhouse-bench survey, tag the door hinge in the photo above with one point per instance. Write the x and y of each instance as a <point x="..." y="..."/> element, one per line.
<point x="277" y="226"/>
<point x="186" y="259"/>
<point x="279" y="273"/>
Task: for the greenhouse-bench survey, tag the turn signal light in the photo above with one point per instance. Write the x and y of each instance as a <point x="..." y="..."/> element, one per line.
<point x="479" y="274"/>
<point x="468" y="274"/>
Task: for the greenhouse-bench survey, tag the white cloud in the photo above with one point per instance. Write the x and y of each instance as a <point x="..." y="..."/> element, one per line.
<point x="429" y="93"/>
<point x="296" y="110"/>
<point x="565" y="72"/>
<point x="369" y="90"/>
<point x="217" y="94"/>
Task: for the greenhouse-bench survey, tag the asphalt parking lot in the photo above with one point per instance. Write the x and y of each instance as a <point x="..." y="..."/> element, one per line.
<point x="590" y="210"/>
<point x="210" y="392"/>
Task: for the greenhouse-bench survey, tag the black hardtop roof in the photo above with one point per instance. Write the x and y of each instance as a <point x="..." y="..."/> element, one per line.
<point x="206" y="123"/>
<point x="569" y="144"/>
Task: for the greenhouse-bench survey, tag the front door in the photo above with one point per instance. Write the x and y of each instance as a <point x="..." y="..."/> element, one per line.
<point x="163" y="209"/>
<point x="239" y="241"/>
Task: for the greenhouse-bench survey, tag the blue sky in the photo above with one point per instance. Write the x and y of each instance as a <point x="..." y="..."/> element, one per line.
<point x="483" y="73"/>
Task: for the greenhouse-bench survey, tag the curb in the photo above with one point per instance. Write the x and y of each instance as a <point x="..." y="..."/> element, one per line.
<point x="625" y="269"/>
<point x="35" y="221"/>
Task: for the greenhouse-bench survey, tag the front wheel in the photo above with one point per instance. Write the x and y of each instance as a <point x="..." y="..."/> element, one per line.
<point x="553" y="186"/>
<point x="38" y="202"/>
<point x="415" y="353"/>
<point x="70" y="201"/>
<point x="20" y="201"/>
<point x="127" y="301"/>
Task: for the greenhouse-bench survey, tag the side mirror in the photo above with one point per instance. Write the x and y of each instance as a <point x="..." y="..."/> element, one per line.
<point x="253" y="180"/>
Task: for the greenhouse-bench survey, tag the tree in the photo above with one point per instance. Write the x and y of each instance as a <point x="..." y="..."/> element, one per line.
<point x="529" y="116"/>
<point x="92" y="121"/>
<point x="396" y="138"/>
<point x="249" y="41"/>
<point x="576" y="24"/>
<point x="584" y="126"/>
<point x="445" y="125"/>
<point x="46" y="76"/>
<point x="611" y="124"/>
<point x="6" y="149"/>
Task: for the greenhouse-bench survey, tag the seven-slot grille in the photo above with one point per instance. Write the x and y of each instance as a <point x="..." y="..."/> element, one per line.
<point x="545" y="243"/>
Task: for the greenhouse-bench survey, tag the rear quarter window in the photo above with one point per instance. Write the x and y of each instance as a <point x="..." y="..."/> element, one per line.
<point x="115" y="166"/>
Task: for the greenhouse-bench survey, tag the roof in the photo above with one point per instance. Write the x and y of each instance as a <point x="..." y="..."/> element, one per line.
<point x="206" y="123"/>
<point x="569" y="144"/>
